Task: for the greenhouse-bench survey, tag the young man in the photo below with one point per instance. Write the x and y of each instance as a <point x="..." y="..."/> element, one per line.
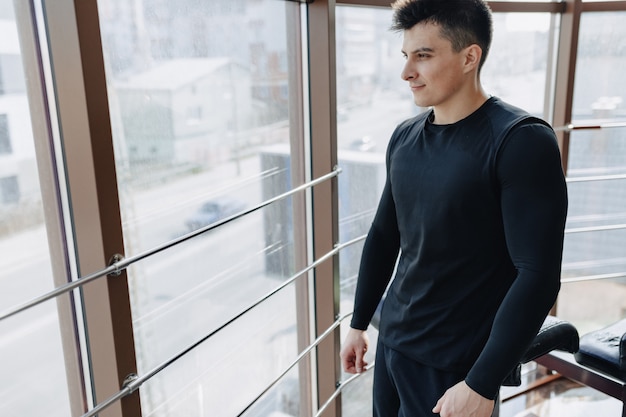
<point x="474" y="205"/>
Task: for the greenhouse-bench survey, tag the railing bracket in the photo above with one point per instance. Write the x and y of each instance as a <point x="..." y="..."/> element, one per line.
<point x="130" y="378"/>
<point x="112" y="262"/>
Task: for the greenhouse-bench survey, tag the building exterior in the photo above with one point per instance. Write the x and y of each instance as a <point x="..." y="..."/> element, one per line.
<point x="19" y="186"/>
<point x="184" y="112"/>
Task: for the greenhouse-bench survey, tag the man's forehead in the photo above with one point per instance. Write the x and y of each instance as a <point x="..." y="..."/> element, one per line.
<point x="424" y="36"/>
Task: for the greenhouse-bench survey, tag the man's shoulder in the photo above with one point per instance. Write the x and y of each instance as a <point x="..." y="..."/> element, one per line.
<point x="415" y="121"/>
<point x="504" y="113"/>
<point x="408" y="128"/>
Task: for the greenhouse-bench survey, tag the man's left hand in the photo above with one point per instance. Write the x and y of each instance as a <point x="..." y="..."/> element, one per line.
<point x="462" y="401"/>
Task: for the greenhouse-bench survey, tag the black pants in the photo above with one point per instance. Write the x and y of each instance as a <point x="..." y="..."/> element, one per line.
<point x="406" y="388"/>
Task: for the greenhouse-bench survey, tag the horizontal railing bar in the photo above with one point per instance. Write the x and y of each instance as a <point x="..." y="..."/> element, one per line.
<point x="138" y="381"/>
<point x="593" y="263"/>
<point x="338" y="390"/>
<point x="57" y="291"/>
<point x="123" y="264"/>
<point x="596" y="178"/>
<point x="596" y="228"/>
<point x="119" y="266"/>
<point x="594" y="277"/>
<point x="589" y="126"/>
<point x="108" y="402"/>
<point x="294" y="277"/>
<point x="305" y="352"/>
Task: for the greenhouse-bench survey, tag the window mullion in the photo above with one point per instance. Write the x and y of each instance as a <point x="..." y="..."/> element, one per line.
<point x="82" y="106"/>
<point x="325" y="206"/>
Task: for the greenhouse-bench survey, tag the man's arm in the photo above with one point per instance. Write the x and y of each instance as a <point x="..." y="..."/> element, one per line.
<point x="377" y="262"/>
<point x="534" y="207"/>
<point x="378" y="259"/>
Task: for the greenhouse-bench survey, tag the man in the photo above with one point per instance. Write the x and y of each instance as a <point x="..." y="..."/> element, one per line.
<point x="474" y="205"/>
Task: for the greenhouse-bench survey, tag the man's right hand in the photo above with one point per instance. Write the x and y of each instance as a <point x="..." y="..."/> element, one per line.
<point x="353" y="351"/>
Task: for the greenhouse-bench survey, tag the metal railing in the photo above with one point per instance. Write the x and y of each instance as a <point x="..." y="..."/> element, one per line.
<point x="134" y="382"/>
<point x="118" y="263"/>
<point x="590" y="125"/>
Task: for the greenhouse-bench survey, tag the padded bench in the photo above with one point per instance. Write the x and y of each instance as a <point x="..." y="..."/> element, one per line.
<point x="599" y="363"/>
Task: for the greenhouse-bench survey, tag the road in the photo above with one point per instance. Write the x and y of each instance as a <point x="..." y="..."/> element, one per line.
<point x="179" y="295"/>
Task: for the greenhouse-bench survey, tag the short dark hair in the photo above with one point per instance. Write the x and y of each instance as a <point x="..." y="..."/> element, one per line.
<point x="462" y="22"/>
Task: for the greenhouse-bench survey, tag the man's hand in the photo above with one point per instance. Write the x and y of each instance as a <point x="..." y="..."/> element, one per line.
<point x="353" y="351"/>
<point x="462" y="401"/>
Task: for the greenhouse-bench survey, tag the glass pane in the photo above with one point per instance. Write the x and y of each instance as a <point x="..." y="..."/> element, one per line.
<point x="227" y="373"/>
<point x="600" y="203"/>
<point x="371" y="101"/>
<point x="31" y="353"/>
<point x="201" y="100"/>
<point x="517" y="64"/>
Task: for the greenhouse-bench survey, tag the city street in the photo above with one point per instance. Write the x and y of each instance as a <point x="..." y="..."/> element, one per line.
<point x="177" y="301"/>
<point x="179" y="296"/>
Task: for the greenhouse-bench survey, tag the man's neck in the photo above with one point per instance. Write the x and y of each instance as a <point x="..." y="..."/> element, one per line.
<point x="460" y="107"/>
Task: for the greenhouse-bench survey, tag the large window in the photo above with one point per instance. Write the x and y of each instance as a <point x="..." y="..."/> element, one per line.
<point x="518" y="66"/>
<point x="202" y="101"/>
<point x="594" y="248"/>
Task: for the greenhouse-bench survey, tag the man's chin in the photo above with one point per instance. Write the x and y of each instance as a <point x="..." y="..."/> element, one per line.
<point x="421" y="102"/>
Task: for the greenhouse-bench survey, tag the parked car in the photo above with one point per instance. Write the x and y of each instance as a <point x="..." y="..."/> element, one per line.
<point x="214" y="210"/>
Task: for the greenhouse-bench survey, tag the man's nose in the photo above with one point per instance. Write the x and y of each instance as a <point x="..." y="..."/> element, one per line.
<point x="407" y="73"/>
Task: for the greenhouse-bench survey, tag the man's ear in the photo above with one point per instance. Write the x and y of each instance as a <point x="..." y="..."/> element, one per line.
<point x="473" y="53"/>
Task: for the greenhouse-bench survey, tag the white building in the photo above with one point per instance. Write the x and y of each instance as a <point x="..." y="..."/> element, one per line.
<point x="18" y="182"/>
<point x="184" y="111"/>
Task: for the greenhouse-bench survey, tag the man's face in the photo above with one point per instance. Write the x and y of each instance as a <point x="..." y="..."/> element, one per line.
<point x="436" y="74"/>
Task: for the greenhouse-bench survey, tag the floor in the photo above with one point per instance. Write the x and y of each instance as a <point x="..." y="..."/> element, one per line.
<point x="558" y="398"/>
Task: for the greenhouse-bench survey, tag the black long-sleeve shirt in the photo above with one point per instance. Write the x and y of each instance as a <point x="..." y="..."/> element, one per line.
<point x="476" y="210"/>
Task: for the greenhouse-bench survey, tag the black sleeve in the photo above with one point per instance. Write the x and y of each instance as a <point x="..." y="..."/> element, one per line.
<point x="534" y="207"/>
<point x="377" y="260"/>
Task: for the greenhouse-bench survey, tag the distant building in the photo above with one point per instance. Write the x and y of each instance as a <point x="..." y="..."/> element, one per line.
<point x="19" y="184"/>
<point x="183" y="111"/>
